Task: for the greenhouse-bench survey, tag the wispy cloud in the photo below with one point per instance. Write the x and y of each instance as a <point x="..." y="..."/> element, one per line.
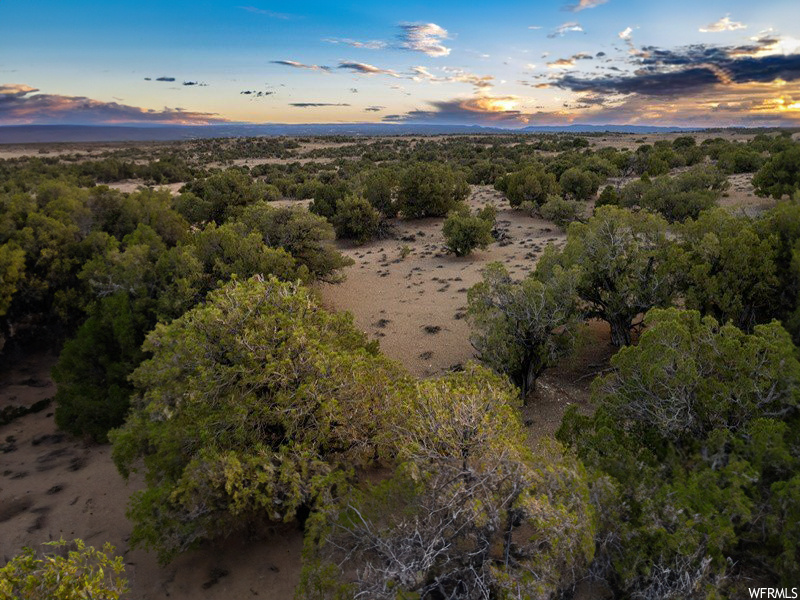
<point x="625" y="34"/>
<point x="366" y="69"/>
<point x="724" y="24"/>
<point x="299" y="65"/>
<point x="368" y="45"/>
<point x="583" y="5"/>
<point x="424" y="37"/>
<point x="374" y="108"/>
<point x="20" y="104"/>
<point x="316" y="104"/>
<point x="266" y="13"/>
<point x="195" y="83"/>
<point x="565" y="28"/>
<point x="453" y="75"/>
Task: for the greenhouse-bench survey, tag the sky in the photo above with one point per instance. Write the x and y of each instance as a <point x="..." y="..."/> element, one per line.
<point x="508" y="64"/>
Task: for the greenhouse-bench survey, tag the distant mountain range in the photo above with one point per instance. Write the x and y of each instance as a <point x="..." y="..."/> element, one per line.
<point x="20" y="134"/>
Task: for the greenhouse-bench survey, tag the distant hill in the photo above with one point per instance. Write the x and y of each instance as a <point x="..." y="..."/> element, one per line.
<point x="20" y="134"/>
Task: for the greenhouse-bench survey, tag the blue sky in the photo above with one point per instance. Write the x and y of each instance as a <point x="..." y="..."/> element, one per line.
<point x="707" y="62"/>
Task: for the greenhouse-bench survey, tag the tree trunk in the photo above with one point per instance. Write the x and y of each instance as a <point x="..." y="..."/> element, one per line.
<point x="620" y="332"/>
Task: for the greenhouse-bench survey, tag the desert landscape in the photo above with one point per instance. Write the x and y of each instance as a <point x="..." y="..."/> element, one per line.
<point x="404" y="289"/>
<point x="397" y="301"/>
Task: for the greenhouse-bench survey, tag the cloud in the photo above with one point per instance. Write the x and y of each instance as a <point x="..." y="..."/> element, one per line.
<point x="20" y="104"/>
<point x="534" y="26"/>
<point x="625" y="34"/>
<point x="299" y="65"/>
<point x="315" y="104"/>
<point x="562" y="63"/>
<point x="366" y="69"/>
<point x="165" y="79"/>
<point x="481" y="82"/>
<point x="583" y="5"/>
<point x="197" y="83"/>
<point x="568" y="63"/>
<point x="256" y="93"/>
<point x="368" y="45"/>
<point x="15" y="90"/>
<point x="424" y="37"/>
<point x="266" y="13"/>
<point x="673" y="73"/>
<point x="724" y="24"/>
<point x="353" y="90"/>
<point x="565" y="28"/>
<point x="374" y="108"/>
<point x="478" y="110"/>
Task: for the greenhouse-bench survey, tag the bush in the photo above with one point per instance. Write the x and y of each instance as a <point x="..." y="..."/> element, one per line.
<point x="780" y="175"/>
<point x="561" y="211"/>
<point x="430" y="190"/>
<point x="608" y="197"/>
<point x="356" y="219"/>
<point x="521" y="328"/>
<point x="694" y="449"/>
<point x="740" y="159"/>
<point x="677" y="198"/>
<point x="253" y="406"/>
<point x="626" y="262"/>
<point x="578" y="184"/>
<point x="471" y="512"/>
<point x="730" y="271"/>
<point x="222" y="193"/>
<point x="464" y="232"/>
<point x="307" y="237"/>
<point x="379" y="188"/>
<point x="531" y="184"/>
<point x="80" y="573"/>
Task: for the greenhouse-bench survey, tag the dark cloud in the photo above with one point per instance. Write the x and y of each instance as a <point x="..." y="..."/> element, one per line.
<point x="696" y="72"/>
<point x="197" y="83"/>
<point x="315" y="104"/>
<point x="165" y="79"/>
<point x="20" y="104"/>
<point x="256" y="93"/>
<point x="478" y="110"/>
<point x="374" y="108"/>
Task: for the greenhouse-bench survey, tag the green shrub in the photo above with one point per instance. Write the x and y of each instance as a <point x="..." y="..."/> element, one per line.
<point x="430" y="190"/>
<point x="356" y="219"/>
<point x="83" y="572"/>
<point x="561" y="211"/>
<point x="464" y="232"/>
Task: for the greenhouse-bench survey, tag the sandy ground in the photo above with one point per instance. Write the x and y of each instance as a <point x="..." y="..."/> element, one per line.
<point x="131" y="185"/>
<point x="415" y="305"/>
